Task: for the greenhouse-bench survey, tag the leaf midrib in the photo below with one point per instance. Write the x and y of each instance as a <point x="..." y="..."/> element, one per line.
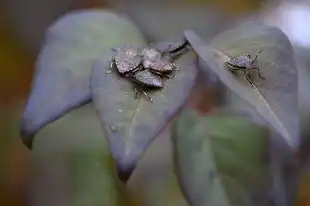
<point x="130" y="127"/>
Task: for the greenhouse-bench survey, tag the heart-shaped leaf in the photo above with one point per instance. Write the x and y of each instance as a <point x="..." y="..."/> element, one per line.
<point x="71" y="45"/>
<point x="219" y="160"/>
<point x="130" y="123"/>
<point x="274" y="98"/>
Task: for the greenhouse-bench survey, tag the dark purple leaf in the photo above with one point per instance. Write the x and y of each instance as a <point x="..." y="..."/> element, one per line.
<point x="71" y="45"/>
<point x="131" y="124"/>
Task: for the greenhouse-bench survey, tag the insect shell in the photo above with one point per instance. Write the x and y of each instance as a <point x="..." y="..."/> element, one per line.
<point x="156" y="62"/>
<point x="243" y="62"/>
<point x="126" y="60"/>
<point x="147" y="79"/>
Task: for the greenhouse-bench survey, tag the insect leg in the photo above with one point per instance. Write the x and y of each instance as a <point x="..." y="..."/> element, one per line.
<point x="138" y="68"/>
<point x="171" y="59"/>
<point x="140" y="90"/>
<point x="235" y="67"/>
<point x="169" y="76"/>
<point x="180" y="47"/>
<point x="256" y="56"/>
<point x="247" y="76"/>
<point x="112" y="64"/>
<point x="260" y="74"/>
<point x="175" y="67"/>
<point x="145" y="94"/>
<point x="115" y="49"/>
<point x="136" y="92"/>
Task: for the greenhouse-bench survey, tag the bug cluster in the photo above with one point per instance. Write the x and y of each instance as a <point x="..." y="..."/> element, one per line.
<point x="245" y="63"/>
<point x="146" y="67"/>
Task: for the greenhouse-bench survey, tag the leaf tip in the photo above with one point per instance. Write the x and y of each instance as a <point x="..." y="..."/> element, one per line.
<point x="125" y="168"/>
<point x="26" y="136"/>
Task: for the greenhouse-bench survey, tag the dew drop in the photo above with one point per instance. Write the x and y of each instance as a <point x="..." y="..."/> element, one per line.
<point x="113" y="128"/>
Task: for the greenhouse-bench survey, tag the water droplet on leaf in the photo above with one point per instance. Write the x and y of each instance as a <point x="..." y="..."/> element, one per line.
<point x="113" y="128"/>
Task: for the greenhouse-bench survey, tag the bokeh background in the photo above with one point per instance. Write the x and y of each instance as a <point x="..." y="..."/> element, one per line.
<point x="22" y="27"/>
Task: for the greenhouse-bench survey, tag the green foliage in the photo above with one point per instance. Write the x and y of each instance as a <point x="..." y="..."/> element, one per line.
<point x="276" y="97"/>
<point x="219" y="159"/>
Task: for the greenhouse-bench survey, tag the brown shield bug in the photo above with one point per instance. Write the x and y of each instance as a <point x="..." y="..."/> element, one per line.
<point x="145" y="67"/>
<point x="156" y="63"/>
<point x="146" y="79"/>
<point x="160" y="60"/>
<point x="126" y="60"/>
<point x="245" y="63"/>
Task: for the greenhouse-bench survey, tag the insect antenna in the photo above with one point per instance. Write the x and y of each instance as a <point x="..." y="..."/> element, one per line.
<point x="255" y="58"/>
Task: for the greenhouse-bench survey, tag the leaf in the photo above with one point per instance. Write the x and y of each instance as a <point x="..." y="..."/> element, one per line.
<point x="153" y="181"/>
<point x="275" y="98"/>
<point x="74" y="166"/>
<point x="130" y="123"/>
<point x="61" y="81"/>
<point x="304" y="93"/>
<point x="219" y="159"/>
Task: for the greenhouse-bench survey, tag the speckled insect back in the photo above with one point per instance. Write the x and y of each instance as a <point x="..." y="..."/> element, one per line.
<point x="145" y="66"/>
<point x="245" y="63"/>
<point x="148" y="79"/>
<point x="150" y="56"/>
<point x="156" y="62"/>
<point x="242" y="61"/>
<point x="127" y="59"/>
<point x="163" y="66"/>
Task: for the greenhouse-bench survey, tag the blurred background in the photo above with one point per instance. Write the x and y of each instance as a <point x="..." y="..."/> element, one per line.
<point x="22" y="27"/>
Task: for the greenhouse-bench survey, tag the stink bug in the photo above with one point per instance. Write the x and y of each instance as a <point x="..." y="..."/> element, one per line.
<point x="126" y="60"/>
<point x="157" y="63"/>
<point x="145" y="67"/>
<point x="245" y="63"/>
<point x="146" y="79"/>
